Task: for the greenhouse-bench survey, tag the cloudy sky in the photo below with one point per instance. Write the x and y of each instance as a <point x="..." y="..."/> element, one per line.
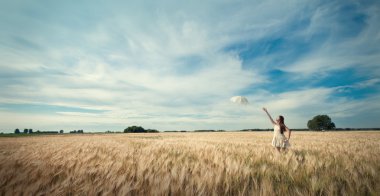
<point x="173" y="65"/>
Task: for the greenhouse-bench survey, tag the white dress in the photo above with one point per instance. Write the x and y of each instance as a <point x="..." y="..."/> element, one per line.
<point x="279" y="140"/>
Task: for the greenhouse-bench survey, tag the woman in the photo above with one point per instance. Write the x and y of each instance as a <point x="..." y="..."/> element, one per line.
<point x="279" y="140"/>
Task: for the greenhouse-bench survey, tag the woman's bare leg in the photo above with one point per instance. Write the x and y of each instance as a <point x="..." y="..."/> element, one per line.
<point x="278" y="149"/>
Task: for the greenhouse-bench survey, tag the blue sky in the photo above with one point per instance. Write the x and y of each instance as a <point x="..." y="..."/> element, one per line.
<point x="173" y="65"/>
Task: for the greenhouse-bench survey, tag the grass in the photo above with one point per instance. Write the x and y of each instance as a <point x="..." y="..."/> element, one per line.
<point x="224" y="163"/>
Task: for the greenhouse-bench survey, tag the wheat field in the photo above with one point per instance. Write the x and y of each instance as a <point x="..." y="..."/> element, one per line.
<point x="223" y="163"/>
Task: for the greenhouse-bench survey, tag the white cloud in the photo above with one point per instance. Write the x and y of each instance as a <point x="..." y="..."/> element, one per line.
<point x="157" y="64"/>
<point x="341" y="51"/>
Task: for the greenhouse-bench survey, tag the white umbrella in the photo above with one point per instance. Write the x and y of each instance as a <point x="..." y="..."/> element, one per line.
<point x="239" y="100"/>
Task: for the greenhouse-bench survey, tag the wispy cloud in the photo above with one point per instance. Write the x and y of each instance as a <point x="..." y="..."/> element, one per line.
<point x="174" y="65"/>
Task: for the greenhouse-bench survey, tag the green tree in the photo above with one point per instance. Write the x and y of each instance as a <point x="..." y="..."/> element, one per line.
<point x="61" y="131"/>
<point x="151" y="131"/>
<point x="134" y="129"/>
<point x="321" y="122"/>
<point x="30" y="131"/>
<point x="26" y="130"/>
<point x="17" y="131"/>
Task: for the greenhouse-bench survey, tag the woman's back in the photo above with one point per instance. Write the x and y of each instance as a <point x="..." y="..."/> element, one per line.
<point x="276" y="130"/>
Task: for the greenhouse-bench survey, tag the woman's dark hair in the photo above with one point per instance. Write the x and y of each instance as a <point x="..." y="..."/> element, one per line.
<point x="282" y="124"/>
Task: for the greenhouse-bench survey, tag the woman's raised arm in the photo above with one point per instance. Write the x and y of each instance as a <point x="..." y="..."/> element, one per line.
<point x="270" y="117"/>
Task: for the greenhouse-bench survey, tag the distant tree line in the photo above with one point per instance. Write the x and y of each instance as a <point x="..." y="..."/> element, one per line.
<point x="30" y="131"/>
<point x="139" y="129"/>
<point x="256" y="130"/>
<point x="77" y="131"/>
<point x="47" y="132"/>
<point x="113" y="131"/>
<point x="208" y="130"/>
<point x="317" y="123"/>
<point x="26" y="131"/>
<point x="356" y="129"/>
